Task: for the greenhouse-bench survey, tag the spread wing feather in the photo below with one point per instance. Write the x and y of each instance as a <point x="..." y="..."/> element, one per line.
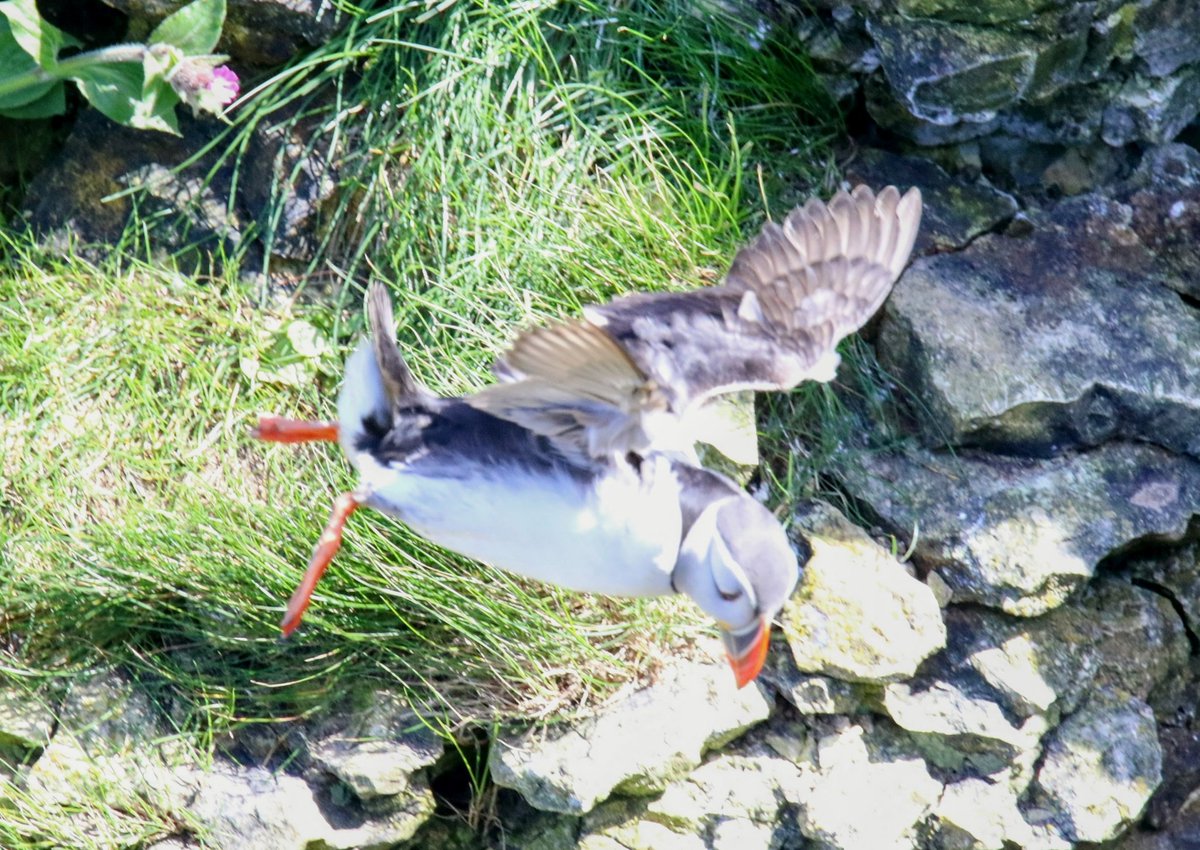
<point x="789" y="298"/>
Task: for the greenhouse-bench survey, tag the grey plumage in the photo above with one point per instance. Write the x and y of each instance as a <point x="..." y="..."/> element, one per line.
<point x="789" y="298"/>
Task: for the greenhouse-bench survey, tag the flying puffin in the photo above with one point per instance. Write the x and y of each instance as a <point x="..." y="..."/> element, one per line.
<point x="577" y="467"/>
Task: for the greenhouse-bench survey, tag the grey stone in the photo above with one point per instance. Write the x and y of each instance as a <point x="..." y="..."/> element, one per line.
<point x="1116" y="636"/>
<point x="26" y="721"/>
<point x="1098" y="771"/>
<point x="1153" y="110"/>
<point x="101" y="159"/>
<point x="1063" y="337"/>
<point x="857" y="614"/>
<point x="1006" y="11"/>
<point x="646" y="740"/>
<point x="979" y="813"/>
<point x="1166" y="35"/>
<point x="733" y="801"/>
<point x="955" y="211"/>
<point x="109" y="738"/>
<point x="173" y="843"/>
<point x="889" y="112"/>
<point x="1073" y="116"/>
<point x="1164" y="196"/>
<point x="811" y="693"/>
<point x="281" y="178"/>
<point x="1174" y="576"/>
<point x="865" y="793"/>
<point x="947" y="74"/>
<point x="251" y="807"/>
<point x="1026" y="535"/>
<point x="985" y="703"/>
<point x="110" y="752"/>
<point x="376" y="766"/>
<point x="954" y="725"/>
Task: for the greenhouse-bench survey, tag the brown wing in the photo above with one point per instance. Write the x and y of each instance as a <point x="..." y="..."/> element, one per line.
<point x="572" y="383"/>
<point x="789" y="298"/>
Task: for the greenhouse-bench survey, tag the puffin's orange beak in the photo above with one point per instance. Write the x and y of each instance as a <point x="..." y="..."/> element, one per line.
<point x="747" y="651"/>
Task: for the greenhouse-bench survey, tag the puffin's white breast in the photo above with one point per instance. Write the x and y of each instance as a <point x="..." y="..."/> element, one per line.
<point x="619" y="537"/>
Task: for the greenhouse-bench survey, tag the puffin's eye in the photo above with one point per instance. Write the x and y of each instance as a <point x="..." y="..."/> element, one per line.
<point x="730" y="597"/>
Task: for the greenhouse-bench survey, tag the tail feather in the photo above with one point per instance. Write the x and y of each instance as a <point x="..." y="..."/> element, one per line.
<point x="398" y="380"/>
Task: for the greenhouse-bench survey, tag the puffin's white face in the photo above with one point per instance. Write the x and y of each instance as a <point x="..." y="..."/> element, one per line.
<point x="736" y="563"/>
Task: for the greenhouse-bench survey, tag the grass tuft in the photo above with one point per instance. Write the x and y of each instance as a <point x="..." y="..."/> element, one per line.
<point x="499" y="163"/>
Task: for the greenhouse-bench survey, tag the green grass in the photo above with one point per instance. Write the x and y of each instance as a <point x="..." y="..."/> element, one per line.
<point x="499" y="163"/>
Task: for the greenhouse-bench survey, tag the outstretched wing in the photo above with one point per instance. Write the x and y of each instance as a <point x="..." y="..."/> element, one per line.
<point x="572" y="383"/>
<point x="789" y="298"/>
<point x="628" y="377"/>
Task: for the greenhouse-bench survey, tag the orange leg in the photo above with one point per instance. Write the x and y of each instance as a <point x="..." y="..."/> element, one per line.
<point x="276" y="429"/>
<point x="327" y="546"/>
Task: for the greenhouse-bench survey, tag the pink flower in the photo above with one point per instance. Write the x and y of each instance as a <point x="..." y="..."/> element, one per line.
<point x="202" y="86"/>
<point x="224" y="85"/>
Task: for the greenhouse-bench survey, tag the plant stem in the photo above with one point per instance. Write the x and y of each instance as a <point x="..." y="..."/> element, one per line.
<point x="71" y="66"/>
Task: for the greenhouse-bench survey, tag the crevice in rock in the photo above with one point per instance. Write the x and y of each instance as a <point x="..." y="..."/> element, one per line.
<point x="462" y="785"/>
<point x="1148" y="548"/>
<point x="1166" y="593"/>
<point x="1191" y="301"/>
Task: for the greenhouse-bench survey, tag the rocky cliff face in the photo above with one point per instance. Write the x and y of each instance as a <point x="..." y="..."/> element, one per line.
<point x="1042" y="93"/>
<point x="1001" y="653"/>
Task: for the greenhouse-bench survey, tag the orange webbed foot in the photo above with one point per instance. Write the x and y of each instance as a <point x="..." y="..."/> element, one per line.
<point x="327" y="547"/>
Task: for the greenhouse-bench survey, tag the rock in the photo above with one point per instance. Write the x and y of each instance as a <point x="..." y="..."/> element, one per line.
<point x="648" y="739"/>
<point x="1116" y="636"/>
<point x="1073" y="116"/>
<point x="1065" y="337"/>
<point x="26" y="721"/>
<point x="1005" y="11"/>
<point x="1166" y="35"/>
<point x="865" y="792"/>
<point x="810" y="693"/>
<point x="377" y="762"/>
<point x="173" y="843"/>
<point x="1153" y="110"/>
<point x="100" y="159"/>
<point x="375" y="769"/>
<point x="251" y="807"/>
<point x="984" y="704"/>
<point x="109" y="743"/>
<point x="256" y="32"/>
<point x="857" y="614"/>
<point x="948" y="74"/>
<point x="289" y="185"/>
<point x="1099" y="769"/>
<point x="954" y="724"/>
<point x="955" y="212"/>
<point x="979" y="813"/>
<point x="745" y="798"/>
<point x="279" y="179"/>
<point x="1164" y="195"/>
<point x="1024" y="536"/>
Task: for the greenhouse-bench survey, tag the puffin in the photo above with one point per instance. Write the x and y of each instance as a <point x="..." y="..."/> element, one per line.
<point x="577" y="467"/>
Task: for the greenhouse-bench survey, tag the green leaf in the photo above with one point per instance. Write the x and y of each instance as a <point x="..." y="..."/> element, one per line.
<point x="113" y="89"/>
<point x="53" y="101"/>
<point x="15" y="63"/>
<point x="194" y="29"/>
<point x="37" y="38"/>
<point x="155" y="109"/>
